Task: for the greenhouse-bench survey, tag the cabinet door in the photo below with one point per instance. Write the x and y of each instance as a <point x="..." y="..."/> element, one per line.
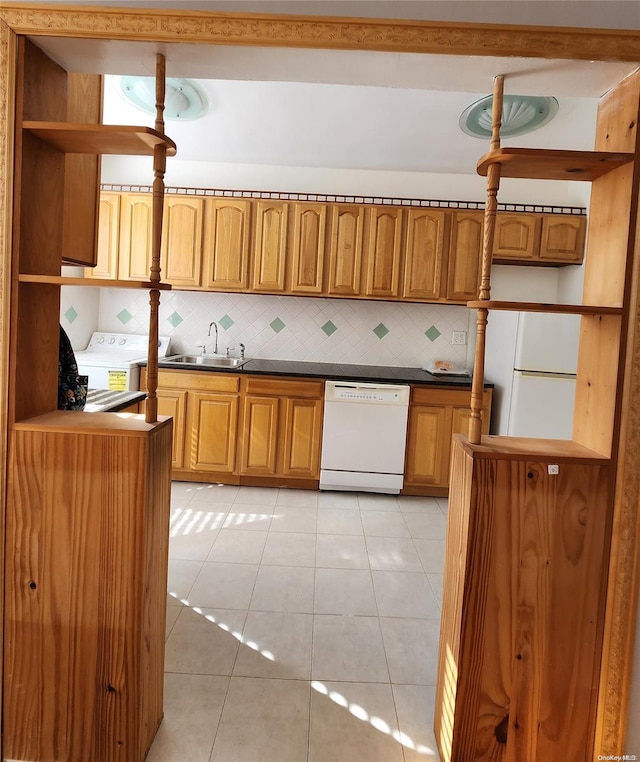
<point x="226" y="244"/>
<point x="181" y="260"/>
<point x="134" y="262"/>
<point x="461" y="417"/>
<point x="345" y="252"/>
<point x="269" y="250"/>
<point x="306" y="250"/>
<point x="173" y="402"/>
<point x="562" y="238"/>
<point x="383" y="252"/>
<point x="108" y="231"/>
<point x="428" y="445"/>
<point x="517" y="236"/>
<point x="260" y="436"/>
<point x="423" y="247"/>
<point x="301" y="433"/>
<point x="212" y="429"/>
<point x="465" y="255"/>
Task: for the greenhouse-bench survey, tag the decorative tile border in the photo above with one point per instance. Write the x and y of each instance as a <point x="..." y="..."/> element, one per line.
<point x="348" y="199"/>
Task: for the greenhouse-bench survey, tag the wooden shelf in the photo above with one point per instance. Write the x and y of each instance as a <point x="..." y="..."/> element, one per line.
<point x="542" y="164"/>
<point x="62" y="280"/>
<point x="100" y="138"/>
<point x="559" y="309"/>
<point x="517" y="448"/>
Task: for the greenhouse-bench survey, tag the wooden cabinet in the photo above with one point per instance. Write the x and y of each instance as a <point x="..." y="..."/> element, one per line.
<point x="108" y="234"/>
<point x="281" y="428"/>
<point x="345" y="249"/>
<point x="423" y="254"/>
<point x="307" y="240"/>
<point x="269" y="246"/>
<point x="181" y="259"/>
<point x="517" y="236"/>
<point x="525" y="584"/>
<point x="134" y="252"/>
<point x="562" y="238"/>
<point x="383" y="255"/>
<point x="205" y="408"/>
<point x="465" y="253"/>
<point x="539" y="239"/>
<point x="227" y="226"/>
<point x="436" y="414"/>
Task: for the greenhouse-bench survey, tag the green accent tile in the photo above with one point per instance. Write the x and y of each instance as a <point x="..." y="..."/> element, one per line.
<point x="174" y="319"/>
<point x="226" y="322"/>
<point x="124" y="316"/>
<point x="381" y="330"/>
<point x="329" y="328"/>
<point x="277" y="325"/>
<point x="432" y="333"/>
<point x="71" y="314"/>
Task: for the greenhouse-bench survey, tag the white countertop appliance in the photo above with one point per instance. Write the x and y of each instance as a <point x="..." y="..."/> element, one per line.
<point x="111" y="359"/>
<point x="531" y="358"/>
<point x="364" y="436"/>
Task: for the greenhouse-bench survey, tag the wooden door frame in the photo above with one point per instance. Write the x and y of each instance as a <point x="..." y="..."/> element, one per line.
<point x="375" y="35"/>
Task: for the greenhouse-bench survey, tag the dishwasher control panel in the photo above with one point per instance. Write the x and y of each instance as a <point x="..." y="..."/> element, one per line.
<point x="389" y="394"/>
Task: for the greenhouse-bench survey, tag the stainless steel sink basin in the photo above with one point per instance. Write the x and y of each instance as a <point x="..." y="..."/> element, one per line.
<point x="208" y="360"/>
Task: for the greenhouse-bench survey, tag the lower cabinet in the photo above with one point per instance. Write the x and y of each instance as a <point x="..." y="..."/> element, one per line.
<point x="434" y="416"/>
<point x="267" y="430"/>
<point x="281" y="428"/>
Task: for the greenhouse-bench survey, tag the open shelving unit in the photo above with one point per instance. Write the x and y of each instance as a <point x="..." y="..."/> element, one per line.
<point x="88" y="494"/>
<point x="530" y="520"/>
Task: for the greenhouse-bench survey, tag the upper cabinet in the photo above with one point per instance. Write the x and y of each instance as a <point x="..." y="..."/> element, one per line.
<point x="307" y="239"/>
<point x="539" y="239"/>
<point x="423" y="254"/>
<point x="227" y="225"/>
<point x="269" y="246"/>
<point x="345" y="249"/>
<point x="383" y="253"/>
<point x="357" y="251"/>
<point x="463" y="271"/>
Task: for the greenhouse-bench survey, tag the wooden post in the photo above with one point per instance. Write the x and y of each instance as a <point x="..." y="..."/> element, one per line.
<point x="493" y="183"/>
<point x="159" y="167"/>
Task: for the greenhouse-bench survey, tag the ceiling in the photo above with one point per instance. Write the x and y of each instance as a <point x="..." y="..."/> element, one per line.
<point x="346" y="109"/>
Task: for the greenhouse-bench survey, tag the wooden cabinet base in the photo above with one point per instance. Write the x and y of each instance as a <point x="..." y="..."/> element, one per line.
<point x="524" y="588"/>
<point x="85" y="587"/>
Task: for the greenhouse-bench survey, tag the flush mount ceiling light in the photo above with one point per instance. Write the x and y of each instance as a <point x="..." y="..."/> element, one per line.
<point x="184" y="100"/>
<point x="520" y="114"/>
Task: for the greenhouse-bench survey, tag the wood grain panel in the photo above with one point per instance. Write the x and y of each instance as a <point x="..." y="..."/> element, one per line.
<point x="286" y="387"/>
<point x="182" y="225"/>
<point x="517" y="236"/>
<point x="86" y="593"/>
<point x="529" y="605"/>
<point x="383" y="260"/>
<point x="345" y="249"/>
<point x="269" y="250"/>
<point x="306" y="249"/>
<point x="204" y="381"/>
<point x="301" y="435"/>
<point x="428" y="435"/>
<point x="463" y="278"/>
<point x="106" y="265"/>
<point x="135" y="236"/>
<point x="563" y="238"/>
<point x="423" y="253"/>
<point x="259" y="435"/>
<point x="211" y="431"/>
<point x="226" y="244"/>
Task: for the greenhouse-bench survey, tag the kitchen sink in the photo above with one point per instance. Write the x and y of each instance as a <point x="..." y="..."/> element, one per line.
<point x="208" y="360"/>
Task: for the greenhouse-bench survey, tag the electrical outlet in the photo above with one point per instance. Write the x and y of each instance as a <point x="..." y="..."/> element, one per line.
<point x="459" y="338"/>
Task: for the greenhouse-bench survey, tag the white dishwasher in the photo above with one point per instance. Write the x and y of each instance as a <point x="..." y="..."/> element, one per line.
<point x="364" y="436"/>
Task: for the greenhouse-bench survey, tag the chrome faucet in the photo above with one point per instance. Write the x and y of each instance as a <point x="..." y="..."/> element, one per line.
<point x="215" y="325"/>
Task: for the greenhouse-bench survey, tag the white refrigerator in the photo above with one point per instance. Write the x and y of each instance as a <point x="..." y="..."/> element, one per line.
<point x="531" y="359"/>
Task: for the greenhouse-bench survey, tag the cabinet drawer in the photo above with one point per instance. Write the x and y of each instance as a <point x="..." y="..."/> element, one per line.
<point x="425" y="395"/>
<point x="272" y="386"/>
<point x="204" y="381"/>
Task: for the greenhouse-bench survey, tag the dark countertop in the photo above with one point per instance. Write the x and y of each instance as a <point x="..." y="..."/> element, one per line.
<point x="108" y="401"/>
<point x="340" y="371"/>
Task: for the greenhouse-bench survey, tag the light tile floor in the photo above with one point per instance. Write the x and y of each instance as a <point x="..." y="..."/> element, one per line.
<point x="301" y="626"/>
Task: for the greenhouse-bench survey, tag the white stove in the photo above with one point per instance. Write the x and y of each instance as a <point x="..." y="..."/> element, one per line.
<point x="111" y="359"/>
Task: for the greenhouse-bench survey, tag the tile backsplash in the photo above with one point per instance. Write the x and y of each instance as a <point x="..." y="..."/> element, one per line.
<point x="288" y="328"/>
